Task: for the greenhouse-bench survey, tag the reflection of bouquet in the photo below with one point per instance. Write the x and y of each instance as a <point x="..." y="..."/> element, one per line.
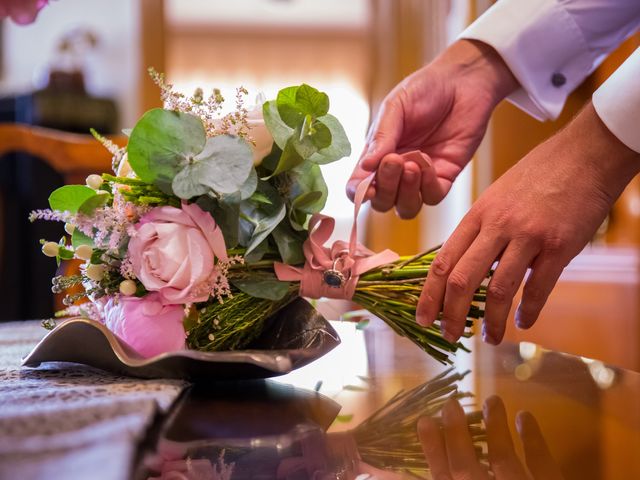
<point x="211" y="223"/>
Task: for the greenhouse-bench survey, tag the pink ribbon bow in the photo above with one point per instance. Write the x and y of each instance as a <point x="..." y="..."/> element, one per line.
<point x="333" y="272"/>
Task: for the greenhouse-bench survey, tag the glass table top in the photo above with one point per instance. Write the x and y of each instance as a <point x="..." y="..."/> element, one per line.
<point x="378" y="407"/>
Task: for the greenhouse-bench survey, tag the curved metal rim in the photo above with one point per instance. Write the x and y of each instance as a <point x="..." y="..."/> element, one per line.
<point x="255" y="357"/>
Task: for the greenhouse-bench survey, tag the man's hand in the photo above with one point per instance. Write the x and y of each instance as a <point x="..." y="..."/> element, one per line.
<point x="442" y="110"/>
<point x="537" y="216"/>
<point x="451" y="454"/>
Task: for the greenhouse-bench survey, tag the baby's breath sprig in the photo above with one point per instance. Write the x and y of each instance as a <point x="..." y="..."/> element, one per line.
<point x="209" y="110"/>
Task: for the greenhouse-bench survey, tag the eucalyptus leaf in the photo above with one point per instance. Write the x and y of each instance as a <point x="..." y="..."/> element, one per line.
<point x="223" y="166"/>
<point x="270" y="289"/>
<point x="249" y="186"/>
<point x="288" y="108"/>
<point x="262" y="217"/>
<point x="226" y="213"/>
<point x="91" y="203"/>
<point x="340" y="146"/>
<point x="311" y="101"/>
<point x="279" y="130"/>
<point x="290" y="157"/>
<point x="265" y="226"/>
<point x="307" y="201"/>
<point x="257" y="253"/>
<point x="70" y="197"/>
<point x="289" y="244"/>
<point x="308" y="178"/>
<point x="161" y="143"/>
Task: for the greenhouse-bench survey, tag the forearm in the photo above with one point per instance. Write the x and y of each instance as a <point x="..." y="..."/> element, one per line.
<point x="612" y="163"/>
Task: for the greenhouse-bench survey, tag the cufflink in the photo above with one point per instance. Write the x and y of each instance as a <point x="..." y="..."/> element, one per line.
<point x="558" y="79"/>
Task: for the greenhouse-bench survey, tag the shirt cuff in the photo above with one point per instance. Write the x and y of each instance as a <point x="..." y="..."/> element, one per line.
<point x="543" y="47"/>
<point x="617" y="102"/>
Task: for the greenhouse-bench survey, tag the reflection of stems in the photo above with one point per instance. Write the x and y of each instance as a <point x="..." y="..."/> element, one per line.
<point x="388" y="439"/>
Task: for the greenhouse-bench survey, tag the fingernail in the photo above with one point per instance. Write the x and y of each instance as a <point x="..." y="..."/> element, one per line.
<point x="391" y="167"/>
<point x="410" y="176"/>
<point x="520" y="322"/>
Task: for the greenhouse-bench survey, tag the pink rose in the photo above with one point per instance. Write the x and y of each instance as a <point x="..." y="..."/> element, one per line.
<point x="22" y="12"/>
<point x="173" y="253"/>
<point x="145" y="324"/>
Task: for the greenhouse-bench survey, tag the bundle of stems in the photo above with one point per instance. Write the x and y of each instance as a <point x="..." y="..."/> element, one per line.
<point x="390" y="292"/>
<point x="388" y="439"/>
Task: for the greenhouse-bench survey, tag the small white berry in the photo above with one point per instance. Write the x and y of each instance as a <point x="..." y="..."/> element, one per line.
<point x="211" y="337"/>
<point x="84" y="252"/>
<point x="50" y="249"/>
<point x="128" y="287"/>
<point x="95" y="272"/>
<point x="94" y="181"/>
<point x="69" y="228"/>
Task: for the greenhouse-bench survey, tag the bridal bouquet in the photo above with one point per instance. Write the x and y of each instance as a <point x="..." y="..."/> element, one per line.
<point x="211" y="223"/>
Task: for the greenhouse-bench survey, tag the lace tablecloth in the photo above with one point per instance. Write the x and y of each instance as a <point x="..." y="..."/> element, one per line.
<point x="70" y="421"/>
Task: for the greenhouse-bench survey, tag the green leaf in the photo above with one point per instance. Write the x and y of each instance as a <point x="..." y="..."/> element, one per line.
<point x="308" y="178"/>
<point x="270" y="289"/>
<point x="265" y="226"/>
<point x="295" y="103"/>
<point x="161" y="143"/>
<point x="289" y="243"/>
<point x="279" y="130"/>
<point x="226" y="212"/>
<point x="91" y="203"/>
<point x="78" y="238"/>
<point x="307" y="201"/>
<point x="65" y="254"/>
<point x="259" y="197"/>
<point x="70" y="197"/>
<point x="248" y="188"/>
<point x="223" y="166"/>
<point x="289" y="159"/>
<point x="263" y="218"/>
<point x="257" y="253"/>
<point x="288" y="109"/>
<point x="311" y="101"/>
<point x="320" y="135"/>
<point x="340" y="146"/>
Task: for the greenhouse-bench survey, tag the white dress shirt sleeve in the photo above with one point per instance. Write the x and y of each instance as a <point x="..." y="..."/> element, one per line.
<point x="617" y="102"/>
<point x="551" y="46"/>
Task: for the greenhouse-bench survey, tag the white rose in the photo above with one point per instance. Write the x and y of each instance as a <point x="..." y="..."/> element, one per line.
<point x="260" y="135"/>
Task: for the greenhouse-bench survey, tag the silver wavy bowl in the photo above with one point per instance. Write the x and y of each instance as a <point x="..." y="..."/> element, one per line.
<point x="296" y="336"/>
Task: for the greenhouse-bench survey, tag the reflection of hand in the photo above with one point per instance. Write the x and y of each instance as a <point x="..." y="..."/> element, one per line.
<point x="538" y="215"/>
<point x="450" y="453"/>
<point x="442" y="110"/>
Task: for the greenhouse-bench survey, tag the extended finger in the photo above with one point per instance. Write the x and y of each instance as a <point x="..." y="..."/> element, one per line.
<point x="539" y="460"/>
<point x="465" y="278"/>
<point x="409" y="200"/>
<point x="433" y="447"/>
<point x="432" y="295"/>
<point x="503" y="285"/>
<point x="543" y="277"/>
<point x="462" y="456"/>
<point x="387" y="182"/>
<point x="502" y="454"/>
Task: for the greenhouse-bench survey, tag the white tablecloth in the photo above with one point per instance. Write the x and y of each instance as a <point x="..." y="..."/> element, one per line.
<point x="64" y="421"/>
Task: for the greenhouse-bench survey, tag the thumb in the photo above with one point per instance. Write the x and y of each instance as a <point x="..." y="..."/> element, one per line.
<point x="383" y="136"/>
